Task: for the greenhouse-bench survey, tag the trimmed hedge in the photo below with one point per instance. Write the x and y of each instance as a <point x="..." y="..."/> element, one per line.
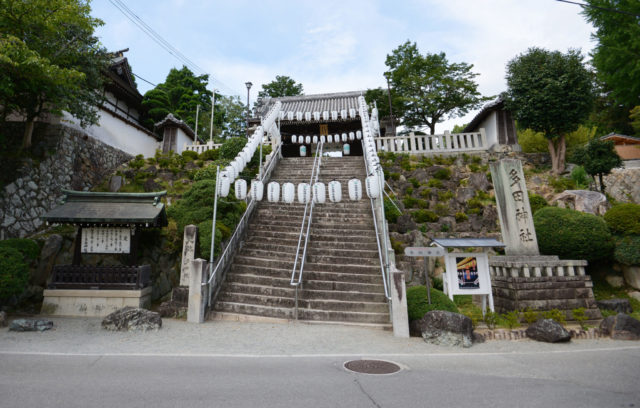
<point x="628" y="250"/>
<point x="572" y="234"/>
<point x="418" y="304"/>
<point x="14" y="272"/>
<point x="27" y="247"/>
<point x="537" y="202"/>
<point x="231" y="147"/>
<point x="624" y="219"/>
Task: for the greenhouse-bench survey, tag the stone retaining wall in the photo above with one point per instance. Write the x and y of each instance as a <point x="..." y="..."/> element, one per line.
<point x="545" y="293"/>
<point x="76" y="162"/>
<point x="624" y="184"/>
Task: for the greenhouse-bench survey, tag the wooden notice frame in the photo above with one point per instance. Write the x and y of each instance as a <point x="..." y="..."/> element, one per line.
<point x="467" y="273"/>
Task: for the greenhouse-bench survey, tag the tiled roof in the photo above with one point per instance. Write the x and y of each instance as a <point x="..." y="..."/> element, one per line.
<point x="484" y="112"/>
<point x="171" y="120"/>
<point x="314" y="103"/>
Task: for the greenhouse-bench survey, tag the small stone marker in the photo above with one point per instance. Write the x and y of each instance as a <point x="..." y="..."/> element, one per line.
<point x="424" y="251"/>
<point x="188" y="253"/>
<point x="24" y="325"/>
<point x="516" y="220"/>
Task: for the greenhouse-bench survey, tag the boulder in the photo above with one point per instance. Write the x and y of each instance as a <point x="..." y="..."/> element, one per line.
<point x="615" y="281"/>
<point x="617" y="305"/>
<point x="115" y="184"/>
<point x="132" y="319"/>
<point x="464" y="194"/>
<point x="23" y="325"/>
<point x="445" y="328"/>
<point x="479" y="181"/>
<point x="621" y="327"/>
<point x="405" y="223"/>
<point x="3" y="319"/>
<point x="548" y="330"/>
<point x="635" y="295"/>
<point x="632" y="275"/>
<point x="150" y="185"/>
<point x="585" y="201"/>
<point x="48" y="254"/>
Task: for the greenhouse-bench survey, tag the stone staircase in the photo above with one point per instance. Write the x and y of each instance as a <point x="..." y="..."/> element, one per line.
<point x="342" y="279"/>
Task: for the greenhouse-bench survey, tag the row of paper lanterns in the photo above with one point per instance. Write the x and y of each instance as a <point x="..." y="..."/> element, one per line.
<point x="324" y="115"/>
<point x="368" y="141"/>
<point x="305" y="192"/>
<point x="351" y="136"/>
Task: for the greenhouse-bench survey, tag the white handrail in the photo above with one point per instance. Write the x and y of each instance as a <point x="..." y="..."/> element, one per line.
<point x="315" y="172"/>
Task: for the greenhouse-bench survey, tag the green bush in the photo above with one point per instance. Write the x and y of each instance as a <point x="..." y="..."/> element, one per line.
<point x="442" y="209"/>
<point x="394" y="176"/>
<point x="561" y="184"/>
<point x="426" y="193"/>
<point x="421" y="216"/>
<point x="435" y="183"/>
<point x="206" y="173"/>
<point x="580" y="177"/>
<point x="536" y="202"/>
<point x="398" y="246"/>
<point x="27" y="247"/>
<point x="512" y="319"/>
<point x="461" y="217"/>
<point x="624" y="219"/>
<point x="445" y="195"/>
<point x="14" y="272"/>
<point x="414" y="182"/>
<point x="556" y="315"/>
<point x="530" y="316"/>
<point x="138" y="162"/>
<point x="190" y="155"/>
<point x="490" y="319"/>
<point x="627" y="250"/>
<point x="212" y="154"/>
<point x="409" y="191"/>
<point x="442" y="174"/>
<point x="391" y="213"/>
<point x="231" y="147"/>
<point x="418" y="305"/>
<point x="571" y="234"/>
<point x="409" y="202"/>
<point x="580" y="317"/>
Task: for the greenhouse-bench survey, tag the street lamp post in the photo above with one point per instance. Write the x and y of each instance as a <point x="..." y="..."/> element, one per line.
<point x="248" y="84"/>
<point x="390" y="108"/>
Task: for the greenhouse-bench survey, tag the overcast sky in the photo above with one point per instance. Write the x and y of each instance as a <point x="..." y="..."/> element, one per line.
<point x="333" y="46"/>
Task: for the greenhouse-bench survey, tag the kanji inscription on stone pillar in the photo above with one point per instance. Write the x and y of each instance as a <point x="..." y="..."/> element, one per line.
<point x="514" y="211"/>
<point x="188" y="252"/>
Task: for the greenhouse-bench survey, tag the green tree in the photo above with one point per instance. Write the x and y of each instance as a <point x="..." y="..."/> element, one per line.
<point x="598" y="158"/>
<point x="549" y="92"/>
<point x="281" y="86"/>
<point x="50" y="60"/>
<point x="380" y="98"/>
<point x="430" y="88"/>
<point x="616" y="55"/>
<point x="635" y="118"/>
<point x="230" y="117"/>
<point x="179" y="94"/>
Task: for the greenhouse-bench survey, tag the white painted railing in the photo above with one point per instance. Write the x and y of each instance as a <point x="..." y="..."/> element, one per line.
<point x="445" y="143"/>
<point x="201" y="148"/>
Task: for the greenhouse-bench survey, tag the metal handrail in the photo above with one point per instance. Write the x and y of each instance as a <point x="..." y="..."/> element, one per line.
<point x="317" y="161"/>
<point x="228" y="252"/>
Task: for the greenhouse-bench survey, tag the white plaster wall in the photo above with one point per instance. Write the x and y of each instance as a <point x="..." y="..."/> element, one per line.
<point x="490" y="127"/>
<point x="119" y="134"/>
<point x="182" y="140"/>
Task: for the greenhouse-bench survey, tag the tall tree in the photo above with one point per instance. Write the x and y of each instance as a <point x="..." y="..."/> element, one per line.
<point x="50" y="60"/>
<point x="616" y="55"/>
<point x="598" y="158"/>
<point x="380" y="97"/>
<point x="179" y="94"/>
<point x="431" y="88"/>
<point x="550" y="92"/>
<point x="281" y="86"/>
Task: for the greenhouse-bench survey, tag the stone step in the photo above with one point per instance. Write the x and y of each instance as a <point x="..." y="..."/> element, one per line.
<point x="248" y="309"/>
<point x="364" y="249"/>
<point x="317" y="284"/>
<point x="353" y="296"/>
<point x="326" y="236"/>
<point x="287" y="264"/>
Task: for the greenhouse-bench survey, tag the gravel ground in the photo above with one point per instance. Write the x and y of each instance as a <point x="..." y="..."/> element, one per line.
<point x="84" y="336"/>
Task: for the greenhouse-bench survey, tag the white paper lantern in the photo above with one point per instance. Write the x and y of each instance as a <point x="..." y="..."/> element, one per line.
<point x="316" y="115"/>
<point x="294" y="139"/>
<point x="346" y="149"/>
<point x="319" y="193"/>
<point x="307" y="140"/>
<point x="257" y="190"/>
<point x="273" y="192"/>
<point x="352" y="113"/>
<point x="246" y="155"/>
<point x="314" y="139"/>
<point x="329" y="139"/>
<point x="335" y="191"/>
<point x="224" y="185"/>
<point x="288" y="192"/>
<point x="373" y="189"/>
<point x="334" y="115"/>
<point x="323" y="139"/>
<point x="298" y="115"/>
<point x="303" y="151"/>
<point x="352" y="136"/>
<point x="304" y="193"/>
<point x="307" y="116"/>
<point x="241" y="189"/>
<point x="358" y="135"/>
<point x="231" y="172"/>
<point x="289" y="115"/>
<point x="343" y="114"/>
<point x="344" y="137"/>
<point x="355" y="189"/>
<point x="238" y="167"/>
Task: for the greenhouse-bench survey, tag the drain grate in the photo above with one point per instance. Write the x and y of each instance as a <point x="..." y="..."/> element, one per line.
<point x="372" y="367"/>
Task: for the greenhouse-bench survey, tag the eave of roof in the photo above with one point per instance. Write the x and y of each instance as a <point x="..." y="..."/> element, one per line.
<point x="623" y="137"/>
<point x="498" y="104"/>
<point x="172" y="120"/>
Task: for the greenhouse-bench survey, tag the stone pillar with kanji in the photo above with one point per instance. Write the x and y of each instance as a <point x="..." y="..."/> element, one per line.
<point x="514" y="211"/>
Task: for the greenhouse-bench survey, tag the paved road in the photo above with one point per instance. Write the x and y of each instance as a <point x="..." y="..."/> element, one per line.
<point x="77" y="367"/>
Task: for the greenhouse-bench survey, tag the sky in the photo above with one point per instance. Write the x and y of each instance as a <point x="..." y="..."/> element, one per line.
<point x="331" y="45"/>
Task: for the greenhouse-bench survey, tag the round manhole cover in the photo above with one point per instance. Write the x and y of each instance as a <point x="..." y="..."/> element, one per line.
<point x="372" y="366"/>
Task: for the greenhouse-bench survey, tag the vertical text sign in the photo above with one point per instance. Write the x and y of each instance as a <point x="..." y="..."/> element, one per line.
<point x="188" y="253"/>
<point x="516" y="220"/>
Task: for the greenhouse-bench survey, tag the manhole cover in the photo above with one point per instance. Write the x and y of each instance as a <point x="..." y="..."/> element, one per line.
<point x="372" y="366"/>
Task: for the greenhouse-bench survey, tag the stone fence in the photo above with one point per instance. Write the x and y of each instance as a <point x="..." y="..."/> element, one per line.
<point x="535" y="266"/>
<point x="201" y="148"/>
<point x="434" y="144"/>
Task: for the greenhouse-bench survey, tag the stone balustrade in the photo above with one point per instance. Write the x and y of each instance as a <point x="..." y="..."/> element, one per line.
<point x="201" y="148"/>
<point x="444" y="143"/>
<point x="535" y="266"/>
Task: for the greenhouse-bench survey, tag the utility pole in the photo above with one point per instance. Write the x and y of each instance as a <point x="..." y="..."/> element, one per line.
<point x="393" y="126"/>
<point x="213" y="104"/>
<point x="197" y="112"/>
<point x="248" y="84"/>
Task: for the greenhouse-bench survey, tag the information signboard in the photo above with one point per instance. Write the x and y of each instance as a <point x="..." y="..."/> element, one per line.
<point x="106" y="240"/>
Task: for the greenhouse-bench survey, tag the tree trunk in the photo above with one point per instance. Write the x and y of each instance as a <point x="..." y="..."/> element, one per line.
<point x="602" y="187"/>
<point x="558" y="150"/>
<point x="432" y="128"/>
<point x="28" y="132"/>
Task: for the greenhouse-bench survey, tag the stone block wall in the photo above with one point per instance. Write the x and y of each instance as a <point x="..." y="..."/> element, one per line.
<point x="624" y="184"/>
<point x="545" y="293"/>
<point x="76" y="162"/>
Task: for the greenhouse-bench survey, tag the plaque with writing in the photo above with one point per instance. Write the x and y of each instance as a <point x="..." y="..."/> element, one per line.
<point x="106" y="240"/>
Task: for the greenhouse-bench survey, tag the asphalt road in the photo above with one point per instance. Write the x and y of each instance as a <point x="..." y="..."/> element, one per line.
<point x="562" y="378"/>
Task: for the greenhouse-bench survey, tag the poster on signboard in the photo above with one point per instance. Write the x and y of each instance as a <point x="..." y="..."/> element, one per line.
<point x="467" y="269"/>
